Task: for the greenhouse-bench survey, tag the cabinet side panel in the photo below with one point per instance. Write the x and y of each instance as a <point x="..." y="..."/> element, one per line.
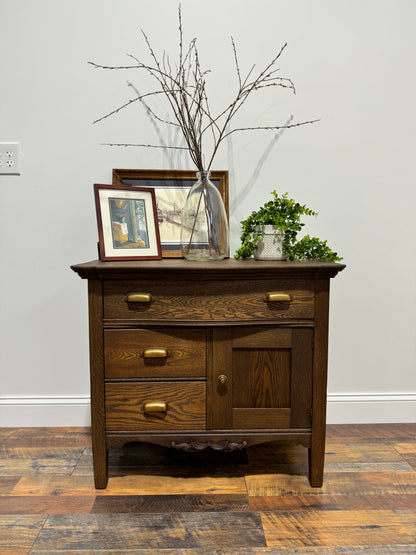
<point x="320" y="361"/>
<point x="95" y="310"/>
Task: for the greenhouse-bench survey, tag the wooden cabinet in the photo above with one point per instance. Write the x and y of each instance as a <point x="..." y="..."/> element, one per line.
<point x="223" y="354"/>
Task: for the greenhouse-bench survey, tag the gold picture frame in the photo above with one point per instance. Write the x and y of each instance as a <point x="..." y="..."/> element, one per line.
<point x="171" y="189"/>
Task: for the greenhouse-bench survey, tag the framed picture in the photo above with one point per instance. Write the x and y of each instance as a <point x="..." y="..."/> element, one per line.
<point x="127" y="223"/>
<point x="171" y="188"/>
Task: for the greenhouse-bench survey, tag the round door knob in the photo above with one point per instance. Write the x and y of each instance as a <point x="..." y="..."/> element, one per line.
<point x="222" y="380"/>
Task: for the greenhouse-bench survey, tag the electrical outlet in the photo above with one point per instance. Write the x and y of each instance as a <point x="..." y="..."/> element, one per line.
<point x="10" y="159"/>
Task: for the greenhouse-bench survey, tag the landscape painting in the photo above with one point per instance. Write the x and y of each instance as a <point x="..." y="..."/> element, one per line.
<point x="170" y="202"/>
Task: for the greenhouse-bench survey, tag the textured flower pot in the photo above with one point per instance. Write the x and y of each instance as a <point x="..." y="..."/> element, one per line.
<point x="271" y="245"/>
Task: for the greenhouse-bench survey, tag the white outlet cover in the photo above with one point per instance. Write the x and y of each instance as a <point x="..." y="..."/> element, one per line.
<point x="10" y="159"/>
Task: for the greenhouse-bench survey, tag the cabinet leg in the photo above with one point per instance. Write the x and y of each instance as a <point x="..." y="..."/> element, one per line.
<point x="100" y="469"/>
<point x="316" y="466"/>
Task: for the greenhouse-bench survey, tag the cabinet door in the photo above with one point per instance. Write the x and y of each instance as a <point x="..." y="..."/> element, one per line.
<point x="262" y="378"/>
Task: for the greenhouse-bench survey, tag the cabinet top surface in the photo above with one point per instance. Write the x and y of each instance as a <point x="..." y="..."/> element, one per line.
<point x="223" y="269"/>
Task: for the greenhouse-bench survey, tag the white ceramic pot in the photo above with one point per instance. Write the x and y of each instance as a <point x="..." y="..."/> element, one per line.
<point x="271" y="245"/>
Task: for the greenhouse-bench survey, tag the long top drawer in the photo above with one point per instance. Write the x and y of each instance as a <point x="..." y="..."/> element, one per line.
<point x="209" y="301"/>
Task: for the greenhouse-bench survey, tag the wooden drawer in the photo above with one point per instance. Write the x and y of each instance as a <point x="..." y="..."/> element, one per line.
<point x="126" y="406"/>
<point x="153" y="353"/>
<point x="207" y="301"/>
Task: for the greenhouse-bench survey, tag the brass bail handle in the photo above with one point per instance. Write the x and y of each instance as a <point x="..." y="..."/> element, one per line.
<point x="155" y="406"/>
<point x="155" y="352"/>
<point x="222" y="380"/>
<point x="139" y="298"/>
<point x="277" y="297"/>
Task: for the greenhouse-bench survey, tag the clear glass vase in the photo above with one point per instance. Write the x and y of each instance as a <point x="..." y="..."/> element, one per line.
<point x="204" y="230"/>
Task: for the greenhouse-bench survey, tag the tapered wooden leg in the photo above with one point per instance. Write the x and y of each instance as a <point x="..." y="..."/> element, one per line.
<point x="316" y="466"/>
<point x="320" y="360"/>
<point x="100" y="462"/>
<point x="99" y="448"/>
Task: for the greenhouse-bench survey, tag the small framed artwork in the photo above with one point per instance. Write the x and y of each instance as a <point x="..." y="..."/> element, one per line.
<point x="127" y="223"/>
<point x="171" y="189"/>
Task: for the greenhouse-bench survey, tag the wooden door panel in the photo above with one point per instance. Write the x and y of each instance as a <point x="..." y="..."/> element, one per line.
<point x="261" y="337"/>
<point x="269" y="373"/>
<point x="261" y="378"/>
<point x="261" y="418"/>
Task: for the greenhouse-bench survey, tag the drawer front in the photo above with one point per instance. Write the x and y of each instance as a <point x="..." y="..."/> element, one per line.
<point x="209" y="301"/>
<point x="141" y="353"/>
<point x="155" y="406"/>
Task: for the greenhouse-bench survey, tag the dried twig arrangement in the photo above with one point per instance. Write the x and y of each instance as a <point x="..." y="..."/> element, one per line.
<point x="185" y="89"/>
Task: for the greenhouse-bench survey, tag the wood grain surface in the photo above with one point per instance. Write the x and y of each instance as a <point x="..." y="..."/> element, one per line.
<point x="269" y="372"/>
<point x="185" y="348"/>
<point x="209" y="300"/>
<point x="151" y="531"/>
<point x="185" y="406"/>
<point x="163" y="501"/>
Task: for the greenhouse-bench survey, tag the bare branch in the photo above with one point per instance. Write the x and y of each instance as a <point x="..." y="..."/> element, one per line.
<point x="99" y="66"/>
<point x="266" y="69"/>
<point x="148" y="109"/>
<point x="128" y="104"/>
<point x="146" y="146"/>
<point x="265" y="85"/>
<point x="185" y="90"/>
<point x="236" y="62"/>
<point x="180" y="37"/>
<point x="274" y="128"/>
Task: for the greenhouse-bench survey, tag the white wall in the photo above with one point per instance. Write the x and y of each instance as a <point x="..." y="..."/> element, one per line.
<point x="353" y="65"/>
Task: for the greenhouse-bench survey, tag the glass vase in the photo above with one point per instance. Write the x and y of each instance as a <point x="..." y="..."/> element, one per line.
<point x="204" y="230"/>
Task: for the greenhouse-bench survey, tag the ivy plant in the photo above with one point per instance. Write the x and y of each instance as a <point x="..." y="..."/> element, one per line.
<point x="311" y="248"/>
<point x="284" y="213"/>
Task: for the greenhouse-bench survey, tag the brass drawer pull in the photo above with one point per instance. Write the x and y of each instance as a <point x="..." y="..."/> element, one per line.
<point x="278" y="298"/>
<point x="222" y="380"/>
<point x="155" y="353"/>
<point x="139" y="298"/>
<point x="155" y="406"/>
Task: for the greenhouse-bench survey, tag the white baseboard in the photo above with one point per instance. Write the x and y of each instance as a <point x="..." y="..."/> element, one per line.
<point x="379" y="408"/>
<point x="75" y="411"/>
<point x="44" y="411"/>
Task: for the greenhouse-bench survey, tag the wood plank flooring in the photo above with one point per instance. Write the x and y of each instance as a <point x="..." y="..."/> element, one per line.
<point x="160" y="501"/>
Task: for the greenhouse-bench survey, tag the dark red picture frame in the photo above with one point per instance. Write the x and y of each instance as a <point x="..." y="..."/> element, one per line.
<point x="127" y="223"/>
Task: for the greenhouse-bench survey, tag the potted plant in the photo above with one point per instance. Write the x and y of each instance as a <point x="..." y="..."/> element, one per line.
<point x="270" y="233"/>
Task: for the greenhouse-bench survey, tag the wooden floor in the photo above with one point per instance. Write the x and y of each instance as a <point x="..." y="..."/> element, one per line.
<point x="169" y="502"/>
